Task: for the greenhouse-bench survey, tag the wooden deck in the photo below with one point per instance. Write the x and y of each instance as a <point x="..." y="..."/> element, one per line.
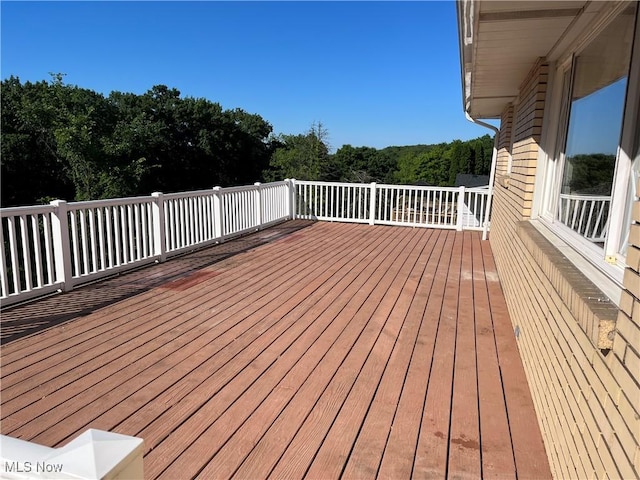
<point x="330" y="350"/>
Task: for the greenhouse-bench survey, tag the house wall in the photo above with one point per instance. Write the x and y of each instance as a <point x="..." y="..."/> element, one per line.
<point x="504" y="143"/>
<point x="584" y="384"/>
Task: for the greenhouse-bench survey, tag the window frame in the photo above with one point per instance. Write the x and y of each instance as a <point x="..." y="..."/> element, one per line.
<point x="608" y="260"/>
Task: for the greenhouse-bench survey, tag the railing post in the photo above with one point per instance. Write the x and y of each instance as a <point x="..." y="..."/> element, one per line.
<point x="159" y="229"/>
<point x="460" y="209"/>
<point x="217" y="214"/>
<point x="289" y="209"/>
<point x="372" y="204"/>
<point x="258" y="205"/>
<point x="61" y="246"/>
<point x="293" y="200"/>
<point x="485" y="215"/>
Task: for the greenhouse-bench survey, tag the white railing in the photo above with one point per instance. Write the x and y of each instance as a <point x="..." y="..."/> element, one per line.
<point x="275" y="201"/>
<point x="587" y="215"/>
<point x="342" y="202"/>
<point x="106" y="236"/>
<point x="29" y="245"/>
<point x="62" y="245"/>
<point x="190" y="219"/>
<point x="433" y="207"/>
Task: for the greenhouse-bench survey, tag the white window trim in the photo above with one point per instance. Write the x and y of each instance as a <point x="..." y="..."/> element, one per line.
<point x="545" y="191"/>
<point x="627" y="150"/>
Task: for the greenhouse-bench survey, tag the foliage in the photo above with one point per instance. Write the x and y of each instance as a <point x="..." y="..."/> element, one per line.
<point x="428" y="164"/>
<point x="304" y="156"/>
<point x="62" y="141"/>
<point x="589" y="174"/>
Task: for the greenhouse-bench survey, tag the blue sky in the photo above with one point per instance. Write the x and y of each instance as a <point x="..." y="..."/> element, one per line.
<point x="374" y="73"/>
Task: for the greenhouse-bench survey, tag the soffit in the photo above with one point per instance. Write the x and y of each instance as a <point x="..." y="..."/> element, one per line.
<point x="508" y="37"/>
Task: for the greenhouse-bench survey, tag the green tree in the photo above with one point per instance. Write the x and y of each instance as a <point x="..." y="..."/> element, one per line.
<point x="459" y="159"/>
<point x="32" y="170"/>
<point x="303" y="156"/>
<point x="589" y="174"/>
<point x="361" y="165"/>
<point x="407" y="170"/>
<point x="434" y="165"/>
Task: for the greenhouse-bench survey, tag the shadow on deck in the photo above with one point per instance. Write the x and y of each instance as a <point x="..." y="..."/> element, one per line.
<point x="29" y="318"/>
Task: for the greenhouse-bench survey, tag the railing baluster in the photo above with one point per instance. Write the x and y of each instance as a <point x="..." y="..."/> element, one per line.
<point x="13" y="250"/>
<point x="147" y="236"/>
<point x="194" y="221"/>
<point x="75" y="248"/>
<point x="116" y="235"/>
<point x="100" y="221"/>
<point x="174" y="223"/>
<point x="200" y="235"/>
<point x="111" y="232"/>
<point x="48" y="249"/>
<point x="26" y="256"/>
<point x="170" y="223"/>
<point x="347" y="192"/>
<point x="387" y="207"/>
<point x="126" y="254"/>
<point x="588" y="231"/>
<point x="4" y="283"/>
<point x="136" y="231"/>
<point x="181" y="225"/>
<point x="92" y="239"/>
<point x="35" y="231"/>
<point x="83" y="238"/>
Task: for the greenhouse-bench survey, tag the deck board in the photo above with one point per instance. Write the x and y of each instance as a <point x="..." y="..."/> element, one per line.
<point x="464" y="432"/>
<point x="321" y="350"/>
<point x="398" y="457"/>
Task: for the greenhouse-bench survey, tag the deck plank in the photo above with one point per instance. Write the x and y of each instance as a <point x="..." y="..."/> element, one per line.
<point x="398" y="457"/>
<point x="464" y="432"/>
<point x="526" y="439"/>
<point x="307" y="297"/>
<point x="433" y="443"/>
<point x="497" y="453"/>
<point x="333" y="350"/>
<point x="366" y="454"/>
<point x="365" y="375"/>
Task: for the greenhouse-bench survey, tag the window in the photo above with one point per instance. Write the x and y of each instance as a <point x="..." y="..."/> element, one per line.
<point x="590" y="181"/>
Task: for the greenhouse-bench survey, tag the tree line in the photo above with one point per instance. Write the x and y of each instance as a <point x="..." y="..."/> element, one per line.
<point x="64" y="141"/>
<point x="306" y="156"/>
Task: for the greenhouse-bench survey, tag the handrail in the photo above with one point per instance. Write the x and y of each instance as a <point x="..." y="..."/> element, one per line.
<point x="458" y="208"/>
<point x="59" y="246"/>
